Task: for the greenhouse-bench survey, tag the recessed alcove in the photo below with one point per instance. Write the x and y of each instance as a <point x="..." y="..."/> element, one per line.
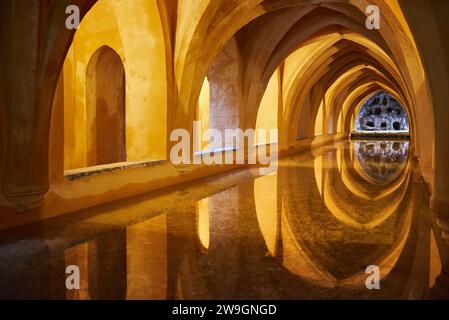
<point x="383" y="116"/>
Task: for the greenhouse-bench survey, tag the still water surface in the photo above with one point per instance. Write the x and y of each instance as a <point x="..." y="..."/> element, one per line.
<point x="307" y="230"/>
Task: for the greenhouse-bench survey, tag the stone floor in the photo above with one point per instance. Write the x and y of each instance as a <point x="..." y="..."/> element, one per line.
<point x="308" y="229"/>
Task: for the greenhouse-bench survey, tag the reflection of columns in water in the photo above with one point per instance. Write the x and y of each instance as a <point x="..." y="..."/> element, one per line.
<point x="301" y="198"/>
<point x="107" y="266"/>
<point x="183" y="279"/>
<point x="39" y="274"/>
<point x="146" y="256"/>
<point x="440" y="287"/>
<point x="266" y="201"/>
<point x="258" y="246"/>
<point x="119" y="265"/>
<point x="79" y="256"/>
<point x="313" y="241"/>
<point x="204" y="248"/>
<point x="203" y="225"/>
<point x="224" y="254"/>
<point x="231" y="252"/>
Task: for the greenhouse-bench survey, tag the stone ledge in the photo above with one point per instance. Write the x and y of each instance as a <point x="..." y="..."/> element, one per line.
<point x="76" y="174"/>
<point x="378" y="134"/>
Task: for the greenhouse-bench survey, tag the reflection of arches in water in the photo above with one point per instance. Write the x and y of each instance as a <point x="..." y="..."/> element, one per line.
<point x="313" y="241"/>
<point x="105" y="108"/>
<point x="299" y="258"/>
<point x="107" y="271"/>
<point x="217" y="226"/>
<point x="345" y="212"/>
<point x="299" y="243"/>
<point x="346" y="205"/>
<point x="355" y="179"/>
<point x="382" y="161"/>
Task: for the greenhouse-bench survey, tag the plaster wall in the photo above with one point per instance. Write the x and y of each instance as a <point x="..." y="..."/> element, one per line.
<point x="133" y="29"/>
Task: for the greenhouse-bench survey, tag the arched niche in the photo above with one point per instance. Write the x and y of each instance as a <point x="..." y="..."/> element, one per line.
<point x="382" y="112"/>
<point x="105" y="108"/>
<point x="139" y="41"/>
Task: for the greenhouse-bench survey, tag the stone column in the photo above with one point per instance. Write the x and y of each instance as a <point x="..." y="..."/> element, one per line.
<point x="33" y="44"/>
<point x="430" y="37"/>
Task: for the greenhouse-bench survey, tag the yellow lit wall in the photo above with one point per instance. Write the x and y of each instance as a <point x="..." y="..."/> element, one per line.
<point x="319" y="122"/>
<point x="204" y="111"/>
<point x="133" y="29"/>
<point x="339" y="123"/>
<point x="318" y="170"/>
<point x="267" y="116"/>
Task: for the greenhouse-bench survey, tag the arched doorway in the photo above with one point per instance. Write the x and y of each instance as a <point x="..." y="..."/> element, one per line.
<point x="105" y="106"/>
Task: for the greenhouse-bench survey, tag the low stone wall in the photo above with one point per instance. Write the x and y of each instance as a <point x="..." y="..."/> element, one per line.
<point x="381" y="135"/>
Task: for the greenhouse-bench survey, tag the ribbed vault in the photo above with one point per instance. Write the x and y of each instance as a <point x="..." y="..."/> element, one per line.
<point x="328" y="63"/>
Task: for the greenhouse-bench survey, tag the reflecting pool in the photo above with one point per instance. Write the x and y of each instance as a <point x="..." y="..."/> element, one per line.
<point x="307" y="230"/>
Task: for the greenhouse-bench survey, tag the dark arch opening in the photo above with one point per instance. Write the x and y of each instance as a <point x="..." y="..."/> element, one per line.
<point x="105" y="104"/>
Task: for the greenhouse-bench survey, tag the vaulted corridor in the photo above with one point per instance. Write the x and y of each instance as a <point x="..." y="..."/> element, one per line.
<point x="224" y="149"/>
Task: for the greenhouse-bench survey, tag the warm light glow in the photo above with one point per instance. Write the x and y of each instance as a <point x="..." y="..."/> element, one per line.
<point x="267" y="116"/>
<point x="319" y="122"/>
<point x="202" y="211"/>
<point x="133" y="30"/>
<point x="318" y="170"/>
<point x="204" y="112"/>
<point x="121" y="161"/>
<point x="265" y="197"/>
